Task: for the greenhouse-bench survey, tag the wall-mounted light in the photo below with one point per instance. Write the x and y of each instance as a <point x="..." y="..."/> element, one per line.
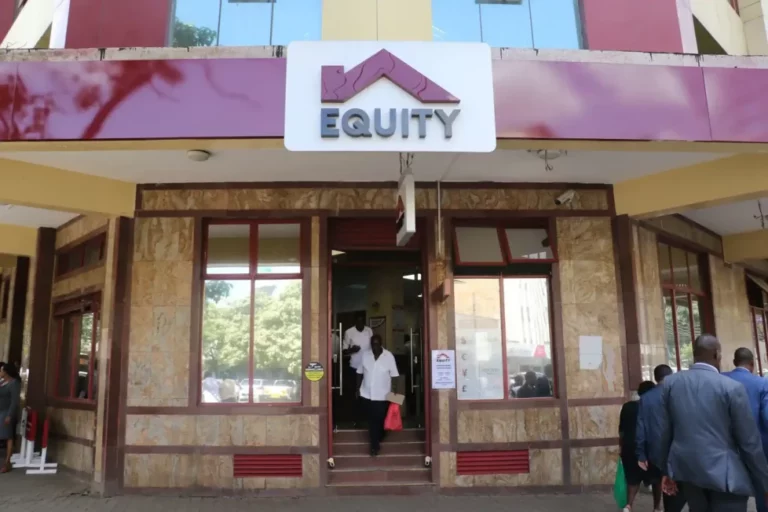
<point x="198" y="155"/>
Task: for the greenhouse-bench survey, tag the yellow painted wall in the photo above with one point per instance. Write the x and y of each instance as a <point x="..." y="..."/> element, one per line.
<point x="723" y="23"/>
<point x="372" y="20"/>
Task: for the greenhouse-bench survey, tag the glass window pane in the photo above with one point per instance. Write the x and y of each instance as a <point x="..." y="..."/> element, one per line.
<point x="296" y="20"/>
<point x="506" y="25"/>
<point x="82" y="390"/>
<point x="245" y="23"/>
<point x="456" y="20"/>
<point x="698" y="319"/>
<point x="555" y="24"/>
<point x="760" y="331"/>
<point x="694" y="271"/>
<point x="64" y="377"/>
<point x="529" y="244"/>
<point x="196" y="23"/>
<point x="679" y="268"/>
<point x="665" y="266"/>
<point x="479" y="360"/>
<point x="226" y="340"/>
<point x="669" y="330"/>
<point x="478" y="245"/>
<point x="279" y="249"/>
<point x="684" y="333"/>
<point x="277" y="341"/>
<point x="228" y="249"/>
<point x="93" y="252"/>
<point x="529" y="340"/>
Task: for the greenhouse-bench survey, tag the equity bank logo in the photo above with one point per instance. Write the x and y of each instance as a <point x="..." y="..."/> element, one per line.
<point x="338" y="86"/>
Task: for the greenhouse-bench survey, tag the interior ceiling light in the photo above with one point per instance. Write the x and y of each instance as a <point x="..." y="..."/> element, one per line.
<point x="548" y="155"/>
<point x="198" y="155"/>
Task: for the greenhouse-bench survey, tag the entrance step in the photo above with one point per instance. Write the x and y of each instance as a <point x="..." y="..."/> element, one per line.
<point x="378" y="475"/>
<point x="387" y="448"/>
<point x="382" y="461"/>
<point x="361" y="436"/>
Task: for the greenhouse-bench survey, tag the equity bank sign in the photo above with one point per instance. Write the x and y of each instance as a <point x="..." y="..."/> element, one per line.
<point x="401" y="96"/>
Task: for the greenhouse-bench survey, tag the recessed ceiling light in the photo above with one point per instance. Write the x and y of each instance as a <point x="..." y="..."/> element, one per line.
<point x="198" y="155"/>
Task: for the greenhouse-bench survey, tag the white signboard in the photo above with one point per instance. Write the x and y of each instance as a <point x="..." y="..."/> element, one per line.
<point x="479" y="364"/>
<point x="389" y="96"/>
<point x="590" y="352"/>
<point x="405" y="218"/>
<point x="443" y="369"/>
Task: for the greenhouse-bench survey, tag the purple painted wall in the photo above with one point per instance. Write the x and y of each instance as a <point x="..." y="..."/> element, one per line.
<point x="227" y="98"/>
<point x="632" y="25"/>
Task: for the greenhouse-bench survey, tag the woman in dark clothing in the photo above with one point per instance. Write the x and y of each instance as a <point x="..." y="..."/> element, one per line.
<point x="634" y="475"/>
<point x="10" y="393"/>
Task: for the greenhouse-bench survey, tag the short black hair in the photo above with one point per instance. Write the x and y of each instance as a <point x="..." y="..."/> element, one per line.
<point x="645" y="387"/>
<point x="743" y="356"/>
<point x="376" y="337"/>
<point x="661" y="372"/>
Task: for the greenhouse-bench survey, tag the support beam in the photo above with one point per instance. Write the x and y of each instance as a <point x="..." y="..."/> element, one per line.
<point x="701" y="185"/>
<point x="16" y="241"/>
<point x="39" y="186"/>
<point x="752" y="245"/>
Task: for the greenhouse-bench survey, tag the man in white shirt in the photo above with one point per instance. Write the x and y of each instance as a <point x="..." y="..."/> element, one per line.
<point x="357" y="340"/>
<point x="374" y="381"/>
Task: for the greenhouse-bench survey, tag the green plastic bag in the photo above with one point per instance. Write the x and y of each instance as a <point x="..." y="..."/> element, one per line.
<point x="620" y="487"/>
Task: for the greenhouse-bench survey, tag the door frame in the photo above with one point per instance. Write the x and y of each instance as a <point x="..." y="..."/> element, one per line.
<point x="426" y="223"/>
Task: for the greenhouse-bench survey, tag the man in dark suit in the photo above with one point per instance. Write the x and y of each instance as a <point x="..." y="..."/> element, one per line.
<point x="648" y="438"/>
<point x="757" y="392"/>
<point x="708" y="452"/>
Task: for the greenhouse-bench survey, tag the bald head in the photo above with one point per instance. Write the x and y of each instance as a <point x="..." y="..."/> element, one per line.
<point x="706" y="349"/>
<point x="744" y="358"/>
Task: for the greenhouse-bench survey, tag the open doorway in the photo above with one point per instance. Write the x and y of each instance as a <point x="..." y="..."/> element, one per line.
<point x="385" y="288"/>
<point x="371" y="278"/>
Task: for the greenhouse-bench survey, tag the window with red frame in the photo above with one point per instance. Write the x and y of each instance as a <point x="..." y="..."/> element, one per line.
<point x="757" y="294"/>
<point x="251" y="345"/>
<point x="6" y="299"/>
<point x="502" y="312"/>
<point x="685" y="301"/>
<point x="87" y="254"/>
<point x="77" y="324"/>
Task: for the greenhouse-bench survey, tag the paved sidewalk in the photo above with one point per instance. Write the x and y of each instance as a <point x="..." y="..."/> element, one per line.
<point x="21" y="493"/>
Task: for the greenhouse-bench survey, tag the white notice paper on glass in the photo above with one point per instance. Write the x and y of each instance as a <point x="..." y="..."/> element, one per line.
<point x="590" y="352"/>
<point x="443" y="369"/>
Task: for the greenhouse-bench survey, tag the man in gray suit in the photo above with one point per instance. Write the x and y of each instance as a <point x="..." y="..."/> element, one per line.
<point x="710" y="447"/>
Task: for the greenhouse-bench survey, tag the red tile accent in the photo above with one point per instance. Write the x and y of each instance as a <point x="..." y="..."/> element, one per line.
<point x="7" y="14"/>
<point x="267" y="466"/>
<point x="492" y="463"/>
<point x="629" y="25"/>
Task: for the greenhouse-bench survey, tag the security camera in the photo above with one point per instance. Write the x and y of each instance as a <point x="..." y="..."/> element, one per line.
<point x="565" y="198"/>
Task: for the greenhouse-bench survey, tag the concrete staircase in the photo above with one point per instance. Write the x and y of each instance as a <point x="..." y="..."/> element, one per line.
<point x="400" y="463"/>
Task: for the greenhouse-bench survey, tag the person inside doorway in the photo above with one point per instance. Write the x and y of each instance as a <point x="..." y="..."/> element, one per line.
<point x="374" y="383"/>
<point x="357" y="341"/>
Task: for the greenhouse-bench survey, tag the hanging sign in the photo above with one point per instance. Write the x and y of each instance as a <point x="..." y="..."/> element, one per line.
<point x="389" y="96"/>
<point x="405" y="212"/>
<point x="314" y="371"/>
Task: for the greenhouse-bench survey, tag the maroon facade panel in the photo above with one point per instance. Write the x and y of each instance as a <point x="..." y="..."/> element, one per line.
<point x="737" y="109"/>
<point x="245" y="98"/>
<point x="142" y="99"/>
<point x="118" y="23"/>
<point x="632" y="25"/>
<point x="7" y="15"/>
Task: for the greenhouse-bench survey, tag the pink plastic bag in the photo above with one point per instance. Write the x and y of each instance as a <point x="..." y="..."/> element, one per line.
<point x="393" y="421"/>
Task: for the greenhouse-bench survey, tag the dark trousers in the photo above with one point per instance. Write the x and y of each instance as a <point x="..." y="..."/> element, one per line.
<point x="704" y="500"/>
<point x="377" y="413"/>
<point x="673" y="503"/>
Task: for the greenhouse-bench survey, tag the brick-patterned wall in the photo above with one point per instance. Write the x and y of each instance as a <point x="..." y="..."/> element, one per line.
<point x="158" y="369"/>
<point x="733" y="323"/>
<point x="650" y="315"/>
